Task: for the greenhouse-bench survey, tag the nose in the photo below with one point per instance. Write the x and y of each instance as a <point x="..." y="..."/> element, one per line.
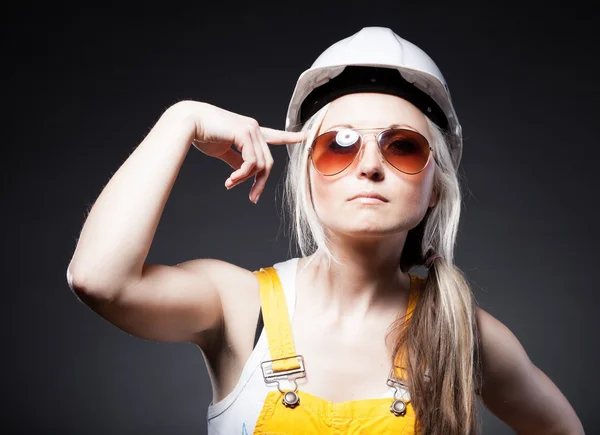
<point x="370" y="161"/>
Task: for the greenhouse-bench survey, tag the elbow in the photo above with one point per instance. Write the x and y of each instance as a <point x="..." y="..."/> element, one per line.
<point x="86" y="291"/>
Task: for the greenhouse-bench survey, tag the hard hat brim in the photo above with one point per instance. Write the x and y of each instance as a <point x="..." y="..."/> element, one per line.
<point x="422" y="80"/>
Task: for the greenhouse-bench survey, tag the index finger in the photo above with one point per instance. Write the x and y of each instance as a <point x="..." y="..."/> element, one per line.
<point x="280" y="137"/>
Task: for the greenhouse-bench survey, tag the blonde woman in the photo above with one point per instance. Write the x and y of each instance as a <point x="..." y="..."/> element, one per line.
<point x="345" y="338"/>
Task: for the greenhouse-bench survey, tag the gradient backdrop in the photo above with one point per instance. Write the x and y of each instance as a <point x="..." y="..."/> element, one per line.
<point x="84" y="86"/>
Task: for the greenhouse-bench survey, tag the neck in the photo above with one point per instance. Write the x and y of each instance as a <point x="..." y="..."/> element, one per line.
<point x="368" y="280"/>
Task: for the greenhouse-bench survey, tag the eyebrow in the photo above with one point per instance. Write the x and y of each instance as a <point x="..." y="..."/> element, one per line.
<point x="373" y="128"/>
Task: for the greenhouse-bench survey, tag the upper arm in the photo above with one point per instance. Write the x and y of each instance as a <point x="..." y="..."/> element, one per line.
<point x="182" y="303"/>
<point x="515" y="390"/>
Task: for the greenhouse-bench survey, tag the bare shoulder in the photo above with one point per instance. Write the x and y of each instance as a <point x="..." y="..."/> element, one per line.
<point x="238" y="289"/>
<point x="236" y="285"/>
<point x="501" y="350"/>
<point x="227" y="277"/>
<point x="494" y="333"/>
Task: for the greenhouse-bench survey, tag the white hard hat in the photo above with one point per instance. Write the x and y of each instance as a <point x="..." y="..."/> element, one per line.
<point x="368" y="61"/>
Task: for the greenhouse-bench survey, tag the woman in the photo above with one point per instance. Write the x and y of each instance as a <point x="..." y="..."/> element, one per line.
<point x="352" y="341"/>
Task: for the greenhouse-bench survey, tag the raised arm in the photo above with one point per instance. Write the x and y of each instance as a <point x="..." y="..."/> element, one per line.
<point x="108" y="271"/>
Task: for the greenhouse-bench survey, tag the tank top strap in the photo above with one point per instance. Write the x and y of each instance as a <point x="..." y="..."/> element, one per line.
<point x="416" y="287"/>
<point x="278" y="327"/>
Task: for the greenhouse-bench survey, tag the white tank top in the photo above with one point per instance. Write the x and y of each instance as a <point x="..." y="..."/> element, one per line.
<point x="237" y="412"/>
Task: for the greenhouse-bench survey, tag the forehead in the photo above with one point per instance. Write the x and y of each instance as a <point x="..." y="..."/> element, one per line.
<point x="373" y="110"/>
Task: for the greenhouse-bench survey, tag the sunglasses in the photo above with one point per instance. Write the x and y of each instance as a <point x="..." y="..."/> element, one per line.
<point x="406" y="150"/>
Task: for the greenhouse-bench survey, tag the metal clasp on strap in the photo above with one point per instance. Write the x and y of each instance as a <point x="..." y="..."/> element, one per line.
<point x="401" y="395"/>
<point x="272" y="376"/>
<point x="285" y="379"/>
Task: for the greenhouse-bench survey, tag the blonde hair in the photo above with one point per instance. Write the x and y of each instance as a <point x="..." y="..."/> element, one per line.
<point x="441" y="342"/>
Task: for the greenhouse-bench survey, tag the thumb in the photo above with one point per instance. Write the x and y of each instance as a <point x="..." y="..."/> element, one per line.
<point x="280" y="137"/>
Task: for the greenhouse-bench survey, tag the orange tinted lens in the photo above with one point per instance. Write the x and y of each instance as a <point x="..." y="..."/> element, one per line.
<point x="406" y="150"/>
<point x="334" y="151"/>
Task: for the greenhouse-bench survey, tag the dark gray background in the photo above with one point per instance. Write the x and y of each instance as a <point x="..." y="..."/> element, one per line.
<point x="85" y="86"/>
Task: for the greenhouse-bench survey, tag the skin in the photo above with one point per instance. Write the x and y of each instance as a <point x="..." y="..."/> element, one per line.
<point x="370" y="237"/>
<point x="214" y="304"/>
<point x="360" y="300"/>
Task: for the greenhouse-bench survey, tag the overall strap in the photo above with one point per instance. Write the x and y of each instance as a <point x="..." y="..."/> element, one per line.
<point x="277" y="322"/>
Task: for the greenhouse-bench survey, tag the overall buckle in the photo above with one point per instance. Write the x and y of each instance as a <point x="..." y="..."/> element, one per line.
<point x="401" y="395"/>
<point x="285" y="379"/>
<point x="272" y="376"/>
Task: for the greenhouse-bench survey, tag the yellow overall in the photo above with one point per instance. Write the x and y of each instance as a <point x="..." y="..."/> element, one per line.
<point x="288" y="410"/>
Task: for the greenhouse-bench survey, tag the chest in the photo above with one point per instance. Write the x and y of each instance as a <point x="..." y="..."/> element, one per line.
<point x="342" y="365"/>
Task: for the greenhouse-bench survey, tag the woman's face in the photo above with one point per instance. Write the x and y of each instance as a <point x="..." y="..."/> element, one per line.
<point x="407" y="197"/>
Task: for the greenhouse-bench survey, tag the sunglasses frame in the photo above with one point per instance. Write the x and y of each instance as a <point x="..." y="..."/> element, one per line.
<point x="362" y="144"/>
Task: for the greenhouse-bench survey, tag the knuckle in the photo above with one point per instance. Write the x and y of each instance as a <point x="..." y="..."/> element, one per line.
<point x="252" y="125"/>
<point x="247" y="135"/>
<point x="183" y="107"/>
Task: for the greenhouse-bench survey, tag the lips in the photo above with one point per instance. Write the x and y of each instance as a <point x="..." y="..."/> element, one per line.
<point x="372" y="195"/>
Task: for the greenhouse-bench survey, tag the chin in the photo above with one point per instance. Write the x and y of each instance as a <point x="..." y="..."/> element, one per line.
<point x="367" y="229"/>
